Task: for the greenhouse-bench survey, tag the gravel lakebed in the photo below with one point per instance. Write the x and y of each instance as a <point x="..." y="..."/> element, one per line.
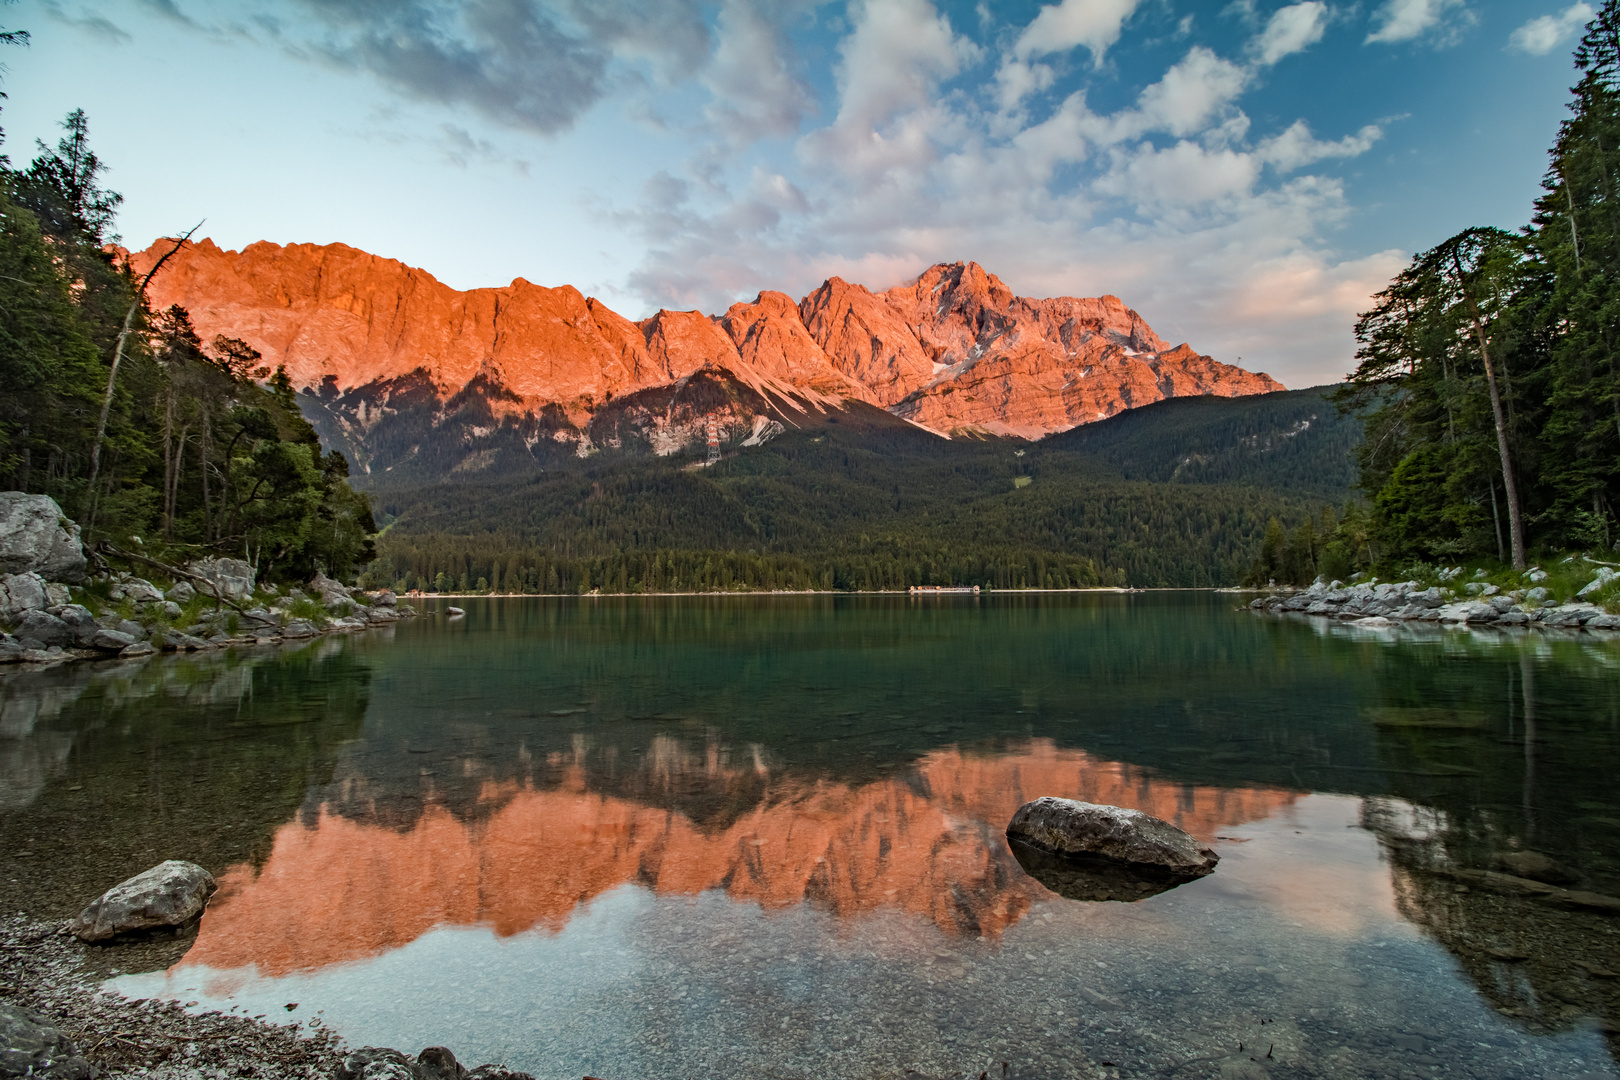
<point x="52" y="974"/>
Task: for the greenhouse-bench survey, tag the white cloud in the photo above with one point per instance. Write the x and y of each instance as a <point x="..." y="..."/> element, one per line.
<point x="1191" y="93"/>
<point x="1540" y="36"/>
<point x="1016" y="80"/>
<point x="1096" y="24"/>
<point x="891" y="64"/>
<point x="1290" y="30"/>
<point x="1295" y="148"/>
<point x="1215" y="237"/>
<point x="1409" y="20"/>
<point x="755" y="93"/>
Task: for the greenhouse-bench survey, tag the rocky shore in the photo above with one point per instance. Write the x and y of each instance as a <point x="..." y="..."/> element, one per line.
<point x="56" y="1022"/>
<point x="60" y="603"/>
<point x="1376" y="603"/>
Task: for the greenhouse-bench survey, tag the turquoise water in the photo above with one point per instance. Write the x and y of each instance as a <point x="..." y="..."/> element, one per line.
<point x="662" y="837"/>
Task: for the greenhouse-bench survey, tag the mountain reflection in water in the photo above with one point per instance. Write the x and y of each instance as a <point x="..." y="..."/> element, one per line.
<point x="929" y="843"/>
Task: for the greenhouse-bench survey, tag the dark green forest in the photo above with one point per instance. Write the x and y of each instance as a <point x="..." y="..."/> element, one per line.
<point x="866" y="508"/>
<point x="1487" y="375"/>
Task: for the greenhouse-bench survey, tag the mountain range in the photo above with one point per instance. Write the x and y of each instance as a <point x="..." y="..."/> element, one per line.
<point x="417" y="381"/>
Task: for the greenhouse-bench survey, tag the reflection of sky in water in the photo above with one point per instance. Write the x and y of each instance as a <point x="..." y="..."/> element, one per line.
<point x="1296" y="928"/>
<point x="655" y="838"/>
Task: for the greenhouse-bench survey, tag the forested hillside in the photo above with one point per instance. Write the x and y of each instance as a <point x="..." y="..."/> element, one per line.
<point x="1293" y="440"/>
<point x="839" y="506"/>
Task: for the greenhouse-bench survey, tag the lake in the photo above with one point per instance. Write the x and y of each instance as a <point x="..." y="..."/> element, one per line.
<point x="641" y="838"/>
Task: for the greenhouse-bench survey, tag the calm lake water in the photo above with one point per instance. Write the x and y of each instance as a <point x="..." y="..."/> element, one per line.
<point x="763" y="836"/>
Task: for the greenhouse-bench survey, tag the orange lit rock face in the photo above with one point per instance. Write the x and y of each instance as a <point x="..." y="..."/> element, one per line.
<point x="954" y="349"/>
<point x="932" y="847"/>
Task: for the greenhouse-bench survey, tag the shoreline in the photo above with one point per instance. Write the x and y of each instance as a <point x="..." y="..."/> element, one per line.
<point x="48" y="973"/>
<point x="1398" y="603"/>
<point x="1120" y="589"/>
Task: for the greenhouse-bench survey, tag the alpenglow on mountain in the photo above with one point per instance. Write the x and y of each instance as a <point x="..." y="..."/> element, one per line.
<point x="389" y="354"/>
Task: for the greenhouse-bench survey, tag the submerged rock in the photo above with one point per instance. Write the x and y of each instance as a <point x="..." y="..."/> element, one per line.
<point x="171" y="894"/>
<point x="454" y="612"/>
<point x="30" y="1045"/>
<point x="1536" y="866"/>
<point x="1122" y="853"/>
<point x="1094" y="877"/>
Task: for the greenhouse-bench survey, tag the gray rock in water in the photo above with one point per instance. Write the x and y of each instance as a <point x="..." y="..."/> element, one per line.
<point x="21" y="593"/>
<point x="111" y="641"/>
<point x="84" y="624"/>
<point x="1092" y="878"/>
<point x="180" y="641"/>
<point x="46" y="629"/>
<point x="231" y="578"/>
<point x="171" y="894"/>
<point x="30" y="1045"/>
<point x="454" y="612"/>
<point x="35" y="536"/>
<point x="1070" y="828"/>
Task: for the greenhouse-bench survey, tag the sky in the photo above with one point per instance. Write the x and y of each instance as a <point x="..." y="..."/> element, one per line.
<point x="1245" y="174"/>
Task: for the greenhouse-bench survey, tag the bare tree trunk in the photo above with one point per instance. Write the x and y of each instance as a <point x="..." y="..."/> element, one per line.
<point x="1510" y="488"/>
<point x="112" y="375"/>
<point x="1496" y="517"/>
<point x="168" y="464"/>
<point x="202" y="462"/>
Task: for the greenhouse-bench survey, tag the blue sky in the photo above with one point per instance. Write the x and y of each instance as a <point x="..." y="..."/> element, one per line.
<point x="1246" y="174"/>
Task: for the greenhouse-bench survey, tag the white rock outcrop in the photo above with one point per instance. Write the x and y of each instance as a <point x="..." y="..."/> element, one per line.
<point x="36" y="537"/>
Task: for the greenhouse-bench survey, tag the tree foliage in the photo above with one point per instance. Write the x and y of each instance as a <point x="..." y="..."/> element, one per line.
<point x="1487" y="375"/>
<point x="205" y="450"/>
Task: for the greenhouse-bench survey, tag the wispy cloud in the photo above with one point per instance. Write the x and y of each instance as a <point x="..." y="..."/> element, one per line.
<point x="1440" y="22"/>
<point x="1542" y="35"/>
<point x="95" y="26"/>
<point x="1095" y="24"/>
<point x="1291" y="29"/>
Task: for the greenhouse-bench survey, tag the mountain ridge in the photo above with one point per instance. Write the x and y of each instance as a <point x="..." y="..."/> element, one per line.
<point x="953" y="351"/>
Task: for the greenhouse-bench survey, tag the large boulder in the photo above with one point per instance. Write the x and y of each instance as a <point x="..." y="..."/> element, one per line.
<point x="171" y="894"/>
<point x="84" y="624"/>
<point x="30" y="1045"/>
<point x="231" y="578"/>
<point x="35" y="537"/>
<point x="1107" y="852"/>
<point x="21" y="593"/>
<point x="39" y="629"/>
<point x="329" y="590"/>
<point x="137" y="589"/>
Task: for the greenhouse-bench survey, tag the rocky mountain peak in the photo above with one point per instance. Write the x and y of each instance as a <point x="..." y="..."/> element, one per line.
<point x="954" y="349"/>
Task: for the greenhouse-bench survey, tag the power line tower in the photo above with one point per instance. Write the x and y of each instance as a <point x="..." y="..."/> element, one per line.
<point x="714" y="438"/>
